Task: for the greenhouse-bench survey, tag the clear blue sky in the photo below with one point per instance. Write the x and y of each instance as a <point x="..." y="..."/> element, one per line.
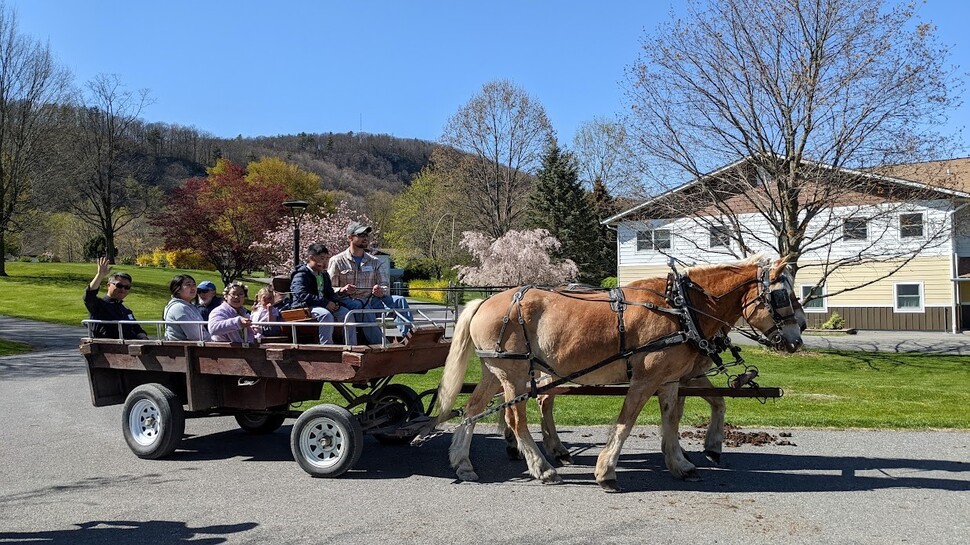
<point x="402" y="67"/>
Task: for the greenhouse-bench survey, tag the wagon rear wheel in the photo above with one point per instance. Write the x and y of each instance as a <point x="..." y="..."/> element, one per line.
<point x="398" y="404"/>
<point x="260" y="424"/>
<point x="152" y="421"/>
<point x="326" y="441"/>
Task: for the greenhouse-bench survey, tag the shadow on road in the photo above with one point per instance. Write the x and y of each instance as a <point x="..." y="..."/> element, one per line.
<point x="157" y="532"/>
<point x="767" y="471"/>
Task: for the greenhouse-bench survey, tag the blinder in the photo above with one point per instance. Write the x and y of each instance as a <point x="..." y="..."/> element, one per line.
<point x="779" y="304"/>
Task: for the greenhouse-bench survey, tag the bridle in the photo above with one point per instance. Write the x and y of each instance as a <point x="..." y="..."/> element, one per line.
<point x="777" y="301"/>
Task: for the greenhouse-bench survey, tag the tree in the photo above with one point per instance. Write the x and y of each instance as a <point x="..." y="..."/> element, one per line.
<point x="503" y="130"/>
<point x="224" y="216"/>
<point x="31" y="86"/>
<point x="299" y="184"/>
<point x="603" y="154"/>
<point x="103" y="183"/>
<point x="561" y="206"/>
<point x="802" y="99"/>
<point x="514" y="259"/>
<point x="328" y="227"/>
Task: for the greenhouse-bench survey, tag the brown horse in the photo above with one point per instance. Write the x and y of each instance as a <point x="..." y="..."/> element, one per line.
<point x="571" y="334"/>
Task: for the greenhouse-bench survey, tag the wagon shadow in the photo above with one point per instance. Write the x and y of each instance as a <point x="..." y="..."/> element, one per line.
<point x="272" y="447"/>
<point x="160" y="532"/>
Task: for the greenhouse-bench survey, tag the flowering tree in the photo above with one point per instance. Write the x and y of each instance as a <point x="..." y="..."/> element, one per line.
<point x="327" y="227"/>
<point x="515" y="258"/>
<point x="223" y="216"/>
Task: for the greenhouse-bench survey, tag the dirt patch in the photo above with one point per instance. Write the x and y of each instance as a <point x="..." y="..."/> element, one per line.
<point x="734" y="436"/>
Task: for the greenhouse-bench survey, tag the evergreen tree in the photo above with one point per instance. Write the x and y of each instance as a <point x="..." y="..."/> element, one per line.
<point x="605" y="206"/>
<point x="561" y="206"/>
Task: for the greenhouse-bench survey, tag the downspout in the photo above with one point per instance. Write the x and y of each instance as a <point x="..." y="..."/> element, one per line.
<point x="954" y="261"/>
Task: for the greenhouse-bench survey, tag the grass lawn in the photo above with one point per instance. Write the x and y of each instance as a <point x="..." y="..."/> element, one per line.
<point x="54" y="292"/>
<point x="10" y="348"/>
<point x="822" y="389"/>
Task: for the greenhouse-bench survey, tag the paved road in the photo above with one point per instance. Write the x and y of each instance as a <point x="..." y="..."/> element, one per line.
<point x="67" y="477"/>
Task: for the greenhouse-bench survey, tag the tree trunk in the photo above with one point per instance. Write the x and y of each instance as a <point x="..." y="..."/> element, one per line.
<point x="3" y="254"/>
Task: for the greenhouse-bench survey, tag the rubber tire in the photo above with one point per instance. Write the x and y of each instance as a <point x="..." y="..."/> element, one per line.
<point x="336" y="424"/>
<point x="260" y="424"/>
<point x="410" y="406"/>
<point x="160" y="440"/>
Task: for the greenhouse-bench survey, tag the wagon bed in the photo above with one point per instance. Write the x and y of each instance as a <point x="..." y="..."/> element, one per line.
<point x="161" y="383"/>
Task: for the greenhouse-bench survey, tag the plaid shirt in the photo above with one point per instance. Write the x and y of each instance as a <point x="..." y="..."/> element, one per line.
<point x="344" y="270"/>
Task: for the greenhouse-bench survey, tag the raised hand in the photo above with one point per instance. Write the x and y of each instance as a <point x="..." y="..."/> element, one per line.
<point x="104" y="266"/>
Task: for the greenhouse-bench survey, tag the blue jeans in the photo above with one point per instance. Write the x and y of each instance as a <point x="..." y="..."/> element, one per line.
<point x="402" y="316"/>
<point x="326" y="331"/>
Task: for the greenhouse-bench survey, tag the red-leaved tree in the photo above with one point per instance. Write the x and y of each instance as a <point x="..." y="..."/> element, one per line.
<point x="224" y="216"/>
<point x="514" y="259"/>
<point x="327" y="227"/>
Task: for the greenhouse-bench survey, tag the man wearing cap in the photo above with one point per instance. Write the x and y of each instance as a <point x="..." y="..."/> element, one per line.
<point x="358" y="277"/>
<point x="110" y="307"/>
<point x="310" y="287"/>
<point x="208" y="299"/>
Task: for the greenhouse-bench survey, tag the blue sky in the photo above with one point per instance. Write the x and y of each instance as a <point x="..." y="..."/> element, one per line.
<point x="396" y="67"/>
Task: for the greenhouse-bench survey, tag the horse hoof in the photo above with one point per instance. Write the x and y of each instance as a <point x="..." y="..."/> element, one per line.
<point x="610" y="486"/>
<point x="467" y="476"/>
<point x="513" y="453"/>
<point x="713" y="457"/>
<point x="691" y="476"/>
<point x="565" y="459"/>
<point x="551" y="477"/>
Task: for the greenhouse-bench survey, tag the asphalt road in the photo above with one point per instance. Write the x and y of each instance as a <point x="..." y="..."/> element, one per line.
<point x="67" y="476"/>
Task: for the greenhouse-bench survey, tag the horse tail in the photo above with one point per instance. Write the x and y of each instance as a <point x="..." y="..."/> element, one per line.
<point x="458" y="357"/>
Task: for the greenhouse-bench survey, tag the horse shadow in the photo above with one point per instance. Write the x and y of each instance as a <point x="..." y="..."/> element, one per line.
<point x="157" y="532"/>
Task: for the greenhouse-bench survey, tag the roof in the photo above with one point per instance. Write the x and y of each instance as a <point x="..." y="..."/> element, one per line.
<point x="950" y="177"/>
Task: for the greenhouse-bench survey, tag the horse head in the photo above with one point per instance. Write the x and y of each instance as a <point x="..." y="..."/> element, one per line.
<point x="772" y="307"/>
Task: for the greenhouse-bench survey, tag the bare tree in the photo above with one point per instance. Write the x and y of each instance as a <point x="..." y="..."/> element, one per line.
<point x="104" y="184"/>
<point x="603" y="152"/>
<point x="807" y="97"/>
<point x="505" y="131"/>
<point x="31" y="85"/>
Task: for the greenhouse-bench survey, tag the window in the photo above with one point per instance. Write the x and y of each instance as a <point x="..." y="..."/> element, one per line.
<point x="815" y="305"/>
<point x="720" y="237"/>
<point x="911" y="226"/>
<point x="656" y="239"/>
<point x="855" y="229"/>
<point x="909" y="297"/>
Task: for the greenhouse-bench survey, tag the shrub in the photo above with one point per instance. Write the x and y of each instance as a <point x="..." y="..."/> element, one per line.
<point x="187" y="259"/>
<point x="609" y="282"/>
<point x="434" y="290"/>
<point x="835" y="321"/>
<point x="144" y="260"/>
<point x="158" y="258"/>
<point x="25" y="259"/>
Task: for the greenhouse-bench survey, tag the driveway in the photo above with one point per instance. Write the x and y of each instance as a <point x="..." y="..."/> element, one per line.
<point x="67" y="477"/>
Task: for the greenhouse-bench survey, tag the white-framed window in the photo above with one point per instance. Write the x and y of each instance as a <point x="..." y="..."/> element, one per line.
<point x="815" y="305"/>
<point x="720" y="237"/>
<point x="911" y="225"/>
<point x="908" y="297"/>
<point x="654" y="239"/>
<point x="855" y="229"/>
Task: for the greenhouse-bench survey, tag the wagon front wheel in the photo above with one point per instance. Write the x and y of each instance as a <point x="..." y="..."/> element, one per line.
<point x="326" y="441"/>
<point x="152" y="421"/>
<point x="398" y="404"/>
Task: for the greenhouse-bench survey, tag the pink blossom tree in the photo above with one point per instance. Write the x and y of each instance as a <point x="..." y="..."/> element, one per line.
<point x="515" y="258"/>
<point x="326" y="227"/>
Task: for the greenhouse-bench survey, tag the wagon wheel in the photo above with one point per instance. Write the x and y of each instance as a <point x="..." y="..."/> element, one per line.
<point x="260" y="424"/>
<point x="326" y="441"/>
<point x="152" y="421"/>
<point x="399" y="404"/>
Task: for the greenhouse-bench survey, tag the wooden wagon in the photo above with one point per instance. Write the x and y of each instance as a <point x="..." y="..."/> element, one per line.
<point x="161" y="383"/>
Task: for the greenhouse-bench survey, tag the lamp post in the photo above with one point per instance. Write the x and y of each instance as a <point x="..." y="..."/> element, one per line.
<point x="297" y="208"/>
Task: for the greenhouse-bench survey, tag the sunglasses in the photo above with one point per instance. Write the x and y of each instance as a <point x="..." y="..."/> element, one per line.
<point x="123" y="286"/>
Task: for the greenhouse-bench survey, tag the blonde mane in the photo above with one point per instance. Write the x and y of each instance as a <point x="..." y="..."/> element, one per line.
<point x="761" y="259"/>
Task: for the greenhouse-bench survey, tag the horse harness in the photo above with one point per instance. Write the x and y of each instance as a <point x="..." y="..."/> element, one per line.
<point x="677" y="293"/>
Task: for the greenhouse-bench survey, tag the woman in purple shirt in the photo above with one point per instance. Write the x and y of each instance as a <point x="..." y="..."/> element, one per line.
<point x="230" y="321"/>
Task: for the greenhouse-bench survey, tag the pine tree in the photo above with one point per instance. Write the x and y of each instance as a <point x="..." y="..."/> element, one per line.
<point x="605" y="206"/>
<point x="560" y="205"/>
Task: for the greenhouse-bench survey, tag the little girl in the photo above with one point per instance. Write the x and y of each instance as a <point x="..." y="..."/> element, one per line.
<point x="264" y="311"/>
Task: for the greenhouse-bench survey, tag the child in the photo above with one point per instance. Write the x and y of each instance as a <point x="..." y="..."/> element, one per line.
<point x="264" y="311"/>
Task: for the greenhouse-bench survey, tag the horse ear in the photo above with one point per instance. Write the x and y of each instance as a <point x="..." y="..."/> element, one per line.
<point x="781" y="266"/>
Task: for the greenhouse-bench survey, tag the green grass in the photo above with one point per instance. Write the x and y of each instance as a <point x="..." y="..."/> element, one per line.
<point x="822" y="389"/>
<point x="54" y="292"/>
<point x="10" y="348"/>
